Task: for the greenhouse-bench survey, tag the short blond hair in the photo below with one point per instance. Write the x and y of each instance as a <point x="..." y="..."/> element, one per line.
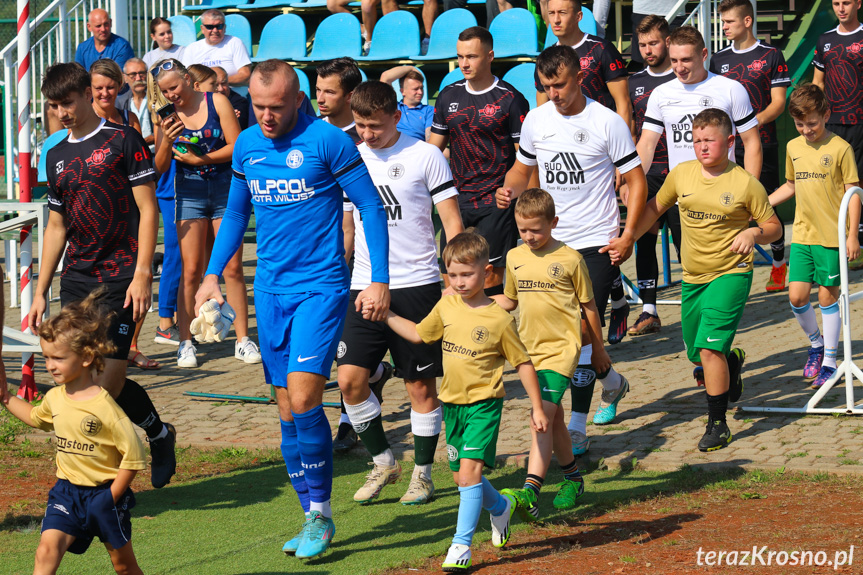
<point x="466" y="248"/>
<point x="535" y="203"/>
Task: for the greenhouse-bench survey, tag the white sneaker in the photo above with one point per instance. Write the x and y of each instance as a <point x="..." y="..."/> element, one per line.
<point x="500" y="523"/>
<point x="420" y="490"/>
<point x="457" y="558"/>
<point x="247" y="350"/>
<point x="379" y="477"/>
<point x="186" y="354"/>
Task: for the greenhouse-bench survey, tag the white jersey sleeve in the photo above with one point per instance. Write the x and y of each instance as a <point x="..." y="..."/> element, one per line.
<point x="438" y="176"/>
<point x="621" y="148"/>
<point x="653" y="115"/>
<point x="742" y="113"/>
<point x="526" y="149"/>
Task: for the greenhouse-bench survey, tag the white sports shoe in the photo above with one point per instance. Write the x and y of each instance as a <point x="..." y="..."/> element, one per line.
<point x="379" y="477"/>
<point x="186" y="354"/>
<point x="457" y="558"/>
<point x="247" y="351"/>
<point x="500" y="523"/>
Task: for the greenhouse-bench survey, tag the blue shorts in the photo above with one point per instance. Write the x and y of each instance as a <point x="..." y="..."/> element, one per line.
<point x="201" y="198"/>
<point x="299" y="332"/>
<point x="87" y="512"/>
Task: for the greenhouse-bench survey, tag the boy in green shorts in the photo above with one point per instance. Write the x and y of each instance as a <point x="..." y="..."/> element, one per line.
<point x="820" y="168"/>
<point x="717" y="198"/>
<point x="477" y="337"/>
<point x="551" y="282"/>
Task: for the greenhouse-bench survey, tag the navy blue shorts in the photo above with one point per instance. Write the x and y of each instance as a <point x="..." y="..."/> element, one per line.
<point x="201" y="198"/>
<point x="299" y="332"/>
<point x="87" y="512"/>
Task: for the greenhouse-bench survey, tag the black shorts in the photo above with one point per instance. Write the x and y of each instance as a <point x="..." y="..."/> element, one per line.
<point x="88" y="512"/>
<point x="364" y="343"/>
<point x="122" y="328"/>
<point x="603" y="276"/>
<point x="769" y="166"/>
<point x="853" y="134"/>
<point x="497" y="226"/>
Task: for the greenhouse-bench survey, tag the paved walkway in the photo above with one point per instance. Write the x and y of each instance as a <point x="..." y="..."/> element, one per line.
<point x="659" y="424"/>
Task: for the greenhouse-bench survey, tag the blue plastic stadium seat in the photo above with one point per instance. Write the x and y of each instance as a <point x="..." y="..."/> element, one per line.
<point x="50" y="142"/>
<point x="396" y="36"/>
<point x="255" y="4"/>
<point x="309" y="4"/>
<point x="304" y="83"/>
<point x="587" y="25"/>
<point x="397" y="86"/>
<point x="208" y="4"/>
<point x="283" y="38"/>
<point x="338" y="35"/>
<point x="237" y="25"/>
<point x="444" y="34"/>
<point x="514" y="34"/>
<point x="451" y="77"/>
<point x="183" y="29"/>
<point x="521" y="78"/>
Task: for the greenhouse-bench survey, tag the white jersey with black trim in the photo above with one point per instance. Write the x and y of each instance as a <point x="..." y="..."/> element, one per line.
<point x="410" y="176"/>
<point x="577" y="156"/>
<point x="672" y="107"/>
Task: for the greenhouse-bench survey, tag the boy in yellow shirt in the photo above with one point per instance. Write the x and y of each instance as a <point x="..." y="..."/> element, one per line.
<point x="717" y="199"/>
<point x="478" y="336"/>
<point x="550" y="281"/>
<point x="98" y="452"/>
<point x="819" y="169"/>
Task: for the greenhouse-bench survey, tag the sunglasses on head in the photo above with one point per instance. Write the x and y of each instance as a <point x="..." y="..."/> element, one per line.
<point x="213" y="26"/>
<point x="167" y="65"/>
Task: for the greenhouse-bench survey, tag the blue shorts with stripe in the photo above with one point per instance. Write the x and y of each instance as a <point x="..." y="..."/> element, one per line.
<point x="299" y="332"/>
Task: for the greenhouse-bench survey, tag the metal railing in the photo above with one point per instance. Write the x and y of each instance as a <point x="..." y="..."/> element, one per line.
<point x="58" y="44"/>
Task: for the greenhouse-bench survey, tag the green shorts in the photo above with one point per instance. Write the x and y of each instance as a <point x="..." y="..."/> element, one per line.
<point x="552" y="385"/>
<point x="814" y="264"/>
<point x="471" y="431"/>
<point x="710" y="313"/>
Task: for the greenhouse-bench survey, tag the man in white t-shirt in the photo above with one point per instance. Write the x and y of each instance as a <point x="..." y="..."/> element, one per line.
<point x="412" y="178"/>
<point x="577" y="143"/>
<point x="219" y="49"/>
<point x="673" y="105"/>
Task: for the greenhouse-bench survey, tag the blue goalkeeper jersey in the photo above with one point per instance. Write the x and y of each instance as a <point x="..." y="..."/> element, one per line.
<point x="295" y="183"/>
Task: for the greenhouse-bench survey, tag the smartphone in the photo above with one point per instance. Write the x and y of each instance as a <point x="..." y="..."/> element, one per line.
<point x="166" y="110"/>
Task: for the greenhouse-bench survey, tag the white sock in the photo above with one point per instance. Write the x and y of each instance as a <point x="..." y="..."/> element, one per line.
<point x="423" y="471"/>
<point x="376" y="376"/>
<point x="578" y="422"/>
<point x="426" y="424"/>
<point x="806" y="318"/>
<point x="163" y="433"/>
<point x="344" y="419"/>
<point x="832" y="325"/>
<point x="363" y="412"/>
<point x="649" y="308"/>
<point x="323" y="508"/>
<point x="586" y="354"/>
<point x="386" y="459"/>
<point x="779" y="263"/>
<point x="619" y="303"/>
<point x="611" y="381"/>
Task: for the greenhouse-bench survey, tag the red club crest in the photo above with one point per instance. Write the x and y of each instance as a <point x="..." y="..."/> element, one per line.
<point x="98" y="157"/>
<point x="585" y="62"/>
<point x="855" y="48"/>
<point x="757" y="65"/>
<point x="489" y="110"/>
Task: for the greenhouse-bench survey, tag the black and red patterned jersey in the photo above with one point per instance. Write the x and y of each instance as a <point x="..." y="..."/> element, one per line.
<point x="759" y="68"/>
<point x="350" y="130"/>
<point x="90" y="182"/>
<point x="641" y="86"/>
<point x="483" y="128"/>
<point x="601" y="63"/>
<point x="840" y="57"/>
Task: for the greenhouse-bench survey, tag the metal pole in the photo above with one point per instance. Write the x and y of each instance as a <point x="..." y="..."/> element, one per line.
<point x="27" y="391"/>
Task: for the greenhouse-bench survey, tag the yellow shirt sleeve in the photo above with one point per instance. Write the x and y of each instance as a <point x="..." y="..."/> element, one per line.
<point x="849" y="167"/>
<point x="789" y="165"/>
<point x="667" y="195"/>
<point x="511" y="347"/>
<point x="758" y="204"/>
<point x="41" y="415"/>
<point x="581" y="282"/>
<point x="510" y="289"/>
<point x="129" y="445"/>
<point x="430" y="329"/>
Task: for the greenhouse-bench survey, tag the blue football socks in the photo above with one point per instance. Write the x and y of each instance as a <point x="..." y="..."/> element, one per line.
<point x="291" y="455"/>
<point x="315" y="446"/>
<point x="492" y="500"/>
<point x="469" y="509"/>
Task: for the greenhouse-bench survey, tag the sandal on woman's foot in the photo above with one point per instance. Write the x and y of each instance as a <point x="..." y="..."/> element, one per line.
<point x="138" y="359"/>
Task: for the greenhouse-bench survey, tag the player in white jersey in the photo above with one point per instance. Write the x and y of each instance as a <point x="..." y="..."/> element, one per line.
<point x="577" y="143"/>
<point x="673" y="105"/>
<point x="412" y="178"/>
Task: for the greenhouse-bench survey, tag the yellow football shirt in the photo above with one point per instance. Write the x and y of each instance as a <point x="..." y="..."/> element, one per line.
<point x="713" y="211"/>
<point x="476" y="341"/>
<point x="94" y="437"/>
<point x="550" y="285"/>
<point x="819" y="171"/>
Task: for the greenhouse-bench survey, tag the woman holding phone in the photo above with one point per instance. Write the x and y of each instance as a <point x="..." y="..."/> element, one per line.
<point x="203" y="179"/>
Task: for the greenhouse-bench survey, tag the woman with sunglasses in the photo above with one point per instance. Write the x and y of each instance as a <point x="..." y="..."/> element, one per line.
<point x="106" y="80"/>
<point x="201" y="191"/>
<point x="163" y="42"/>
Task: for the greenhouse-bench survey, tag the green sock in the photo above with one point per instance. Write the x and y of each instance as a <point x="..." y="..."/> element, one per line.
<point x="373" y="436"/>
<point x="424" y="448"/>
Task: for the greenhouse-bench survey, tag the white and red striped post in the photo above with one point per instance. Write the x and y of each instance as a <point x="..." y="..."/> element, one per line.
<point x="28" y="390"/>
